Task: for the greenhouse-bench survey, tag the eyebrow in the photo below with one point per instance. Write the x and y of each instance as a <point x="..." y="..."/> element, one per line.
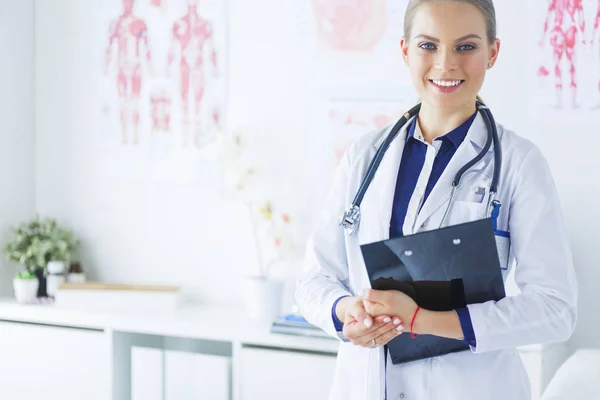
<point x="460" y="39"/>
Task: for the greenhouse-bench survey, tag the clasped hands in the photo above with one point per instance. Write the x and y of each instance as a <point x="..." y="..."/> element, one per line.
<point x="375" y="317"/>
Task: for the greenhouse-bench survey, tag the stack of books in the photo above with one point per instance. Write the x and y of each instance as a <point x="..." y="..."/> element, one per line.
<point x="292" y="324"/>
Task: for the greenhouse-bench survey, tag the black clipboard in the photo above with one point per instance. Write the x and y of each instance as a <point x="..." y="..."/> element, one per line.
<point x="461" y="259"/>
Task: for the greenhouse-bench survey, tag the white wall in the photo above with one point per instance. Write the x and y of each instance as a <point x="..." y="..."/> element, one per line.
<point x="131" y="230"/>
<point x="135" y="228"/>
<point x="569" y="140"/>
<point x="17" y="115"/>
<point x="144" y="231"/>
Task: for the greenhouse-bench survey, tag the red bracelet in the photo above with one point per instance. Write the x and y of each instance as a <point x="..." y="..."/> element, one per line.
<point x="413" y="322"/>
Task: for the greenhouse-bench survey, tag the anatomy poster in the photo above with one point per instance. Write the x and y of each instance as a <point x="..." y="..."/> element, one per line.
<point x="358" y="41"/>
<point x="343" y="120"/>
<point x="163" y="83"/>
<point x="351" y="25"/>
<point x="565" y="78"/>
<point x="365" y="84"/>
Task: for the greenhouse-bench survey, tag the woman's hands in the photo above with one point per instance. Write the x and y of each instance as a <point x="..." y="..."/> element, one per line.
<point x="389" y="302"/>
<point x="381" y="303"/>
<point x="365" y="329"/>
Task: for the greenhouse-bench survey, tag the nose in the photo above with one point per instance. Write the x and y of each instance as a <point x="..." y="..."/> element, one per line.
<point x="446" y="60"/>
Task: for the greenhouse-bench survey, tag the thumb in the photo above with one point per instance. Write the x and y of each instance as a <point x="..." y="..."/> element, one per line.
<point x="374" y="301"/>
<point x="374" y="296"/>
<point x="359" y="313"/>
<point x="375" y="309"/>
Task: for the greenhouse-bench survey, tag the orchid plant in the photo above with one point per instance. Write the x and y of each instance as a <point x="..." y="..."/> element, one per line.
<point x="247" y="181"/>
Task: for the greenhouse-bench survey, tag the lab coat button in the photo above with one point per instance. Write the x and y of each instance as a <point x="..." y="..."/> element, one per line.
<point x="401" y="396"/>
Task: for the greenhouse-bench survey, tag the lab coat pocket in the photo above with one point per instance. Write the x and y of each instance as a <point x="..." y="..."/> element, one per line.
<point x="466" y="211"/>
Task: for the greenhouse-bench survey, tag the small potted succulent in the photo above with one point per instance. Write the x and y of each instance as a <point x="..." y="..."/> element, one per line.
<point x="35" y="244"/>
<point x="26" y="286"/>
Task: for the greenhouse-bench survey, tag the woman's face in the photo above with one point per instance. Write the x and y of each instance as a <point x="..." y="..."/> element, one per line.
<point x="448" y="53"/>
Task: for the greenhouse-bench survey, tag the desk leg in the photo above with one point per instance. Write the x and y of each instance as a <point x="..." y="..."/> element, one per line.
<point x="121" y="366"/>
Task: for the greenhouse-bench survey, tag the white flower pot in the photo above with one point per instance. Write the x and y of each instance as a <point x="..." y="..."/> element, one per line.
<point x="25" y="289"/>
<point x="56" y="267"/>
<point x="263" y="298"/>
<point x="76" y="277"/>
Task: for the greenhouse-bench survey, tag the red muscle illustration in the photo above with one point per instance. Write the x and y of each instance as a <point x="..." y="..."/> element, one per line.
<point x="193" y="35"/>
<point x="567" y="20"/>
<point x="129" y="34"/>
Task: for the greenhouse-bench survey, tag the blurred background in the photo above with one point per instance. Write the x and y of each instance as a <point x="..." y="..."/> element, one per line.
<point x="165" y="160"/>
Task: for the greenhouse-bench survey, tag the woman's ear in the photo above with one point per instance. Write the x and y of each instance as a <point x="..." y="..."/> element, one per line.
<point x="404" y="49"/>
<point x="494" y="51"/>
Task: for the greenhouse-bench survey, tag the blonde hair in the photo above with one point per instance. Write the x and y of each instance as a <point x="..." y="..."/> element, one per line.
<point x="485" y="6"/>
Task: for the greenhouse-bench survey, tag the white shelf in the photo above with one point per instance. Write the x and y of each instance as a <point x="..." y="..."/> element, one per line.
<point x="193" y="322"/>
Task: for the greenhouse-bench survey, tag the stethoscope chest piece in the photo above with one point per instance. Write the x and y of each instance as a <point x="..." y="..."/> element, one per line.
<point x="350" y="219"/>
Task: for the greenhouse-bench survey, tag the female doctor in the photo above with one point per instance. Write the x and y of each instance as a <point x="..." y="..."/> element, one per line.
<point x="448" y="47"/>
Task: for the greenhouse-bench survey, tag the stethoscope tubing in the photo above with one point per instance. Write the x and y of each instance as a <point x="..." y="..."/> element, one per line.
<point x="492" y="139"/>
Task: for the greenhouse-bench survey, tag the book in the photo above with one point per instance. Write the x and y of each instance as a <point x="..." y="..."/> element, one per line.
<point x="292" y="324"/>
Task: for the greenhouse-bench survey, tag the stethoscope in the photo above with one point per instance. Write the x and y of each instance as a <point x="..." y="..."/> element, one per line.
<point x="350" y="219"/>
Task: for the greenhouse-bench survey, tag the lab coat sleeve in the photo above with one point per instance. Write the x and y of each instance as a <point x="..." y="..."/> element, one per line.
<point x="324" y="278"/>
<point x="546" y="309"/>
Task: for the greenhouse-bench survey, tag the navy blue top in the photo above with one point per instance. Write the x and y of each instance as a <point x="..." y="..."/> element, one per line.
<point x="413" y="159"/>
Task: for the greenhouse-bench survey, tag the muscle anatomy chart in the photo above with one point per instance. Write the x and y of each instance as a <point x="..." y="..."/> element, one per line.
<point x="351" y="25"/>
<point x="167" y="65"/>
<point x="595" y="43"/>
<point x="567" y="61"/>
<point x="192" y="35"/>
<point x="128" y="43"/>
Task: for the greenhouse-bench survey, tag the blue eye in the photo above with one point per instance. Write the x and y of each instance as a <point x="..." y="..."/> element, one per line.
<point x="427" y="46"/>
<point x="466" y="47"/>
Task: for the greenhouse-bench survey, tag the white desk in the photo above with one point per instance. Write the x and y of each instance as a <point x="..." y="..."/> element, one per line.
<point x="71" y="354"/>
<point x="74" y="354"/>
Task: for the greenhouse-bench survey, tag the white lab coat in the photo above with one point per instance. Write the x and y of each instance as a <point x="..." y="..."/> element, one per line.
<point x="544" y="311"/>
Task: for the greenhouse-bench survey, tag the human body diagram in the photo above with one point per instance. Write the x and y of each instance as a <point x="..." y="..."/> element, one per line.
<point x="128" y="38"/>
<point x="565" y="37"/>
<point x="173" y="99"/>
<point x="192" y="36"/>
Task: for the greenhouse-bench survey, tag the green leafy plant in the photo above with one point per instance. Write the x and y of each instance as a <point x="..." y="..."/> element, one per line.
<point x="26" y="275"/>
<point x="35" y="243"/>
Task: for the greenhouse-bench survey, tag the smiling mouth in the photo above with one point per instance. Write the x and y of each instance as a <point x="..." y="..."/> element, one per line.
<point x="446" y="85"/>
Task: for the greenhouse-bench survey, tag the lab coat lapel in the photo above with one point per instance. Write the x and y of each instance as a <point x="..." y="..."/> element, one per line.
<point x="440" y="194"/>
<point x="379" y="198"/>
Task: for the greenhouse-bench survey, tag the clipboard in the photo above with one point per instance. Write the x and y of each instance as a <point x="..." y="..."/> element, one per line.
<point x="460" y="260"/>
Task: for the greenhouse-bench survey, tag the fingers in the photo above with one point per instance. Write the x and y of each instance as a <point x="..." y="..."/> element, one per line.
<point x="366" y="321"/>
<point x="384" y="329"/>
<point x="375" y="302"/>
<point x="375" y="296"/>
<point x="374" y="308"/>
<point x="386" y="332"/>
<point x="357" y="330"/>
<point x="357" y="312"/>
<point x="386" y="337"/>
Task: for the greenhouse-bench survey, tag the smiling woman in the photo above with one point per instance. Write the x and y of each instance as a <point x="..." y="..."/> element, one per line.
<point x="448" y="47"/>
<point x="410" y="167"/>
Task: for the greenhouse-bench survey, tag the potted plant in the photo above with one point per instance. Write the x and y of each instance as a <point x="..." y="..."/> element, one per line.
<point x="37" y="242"/>
<point x="251" y="177"/>
<point x="26" y="286"/>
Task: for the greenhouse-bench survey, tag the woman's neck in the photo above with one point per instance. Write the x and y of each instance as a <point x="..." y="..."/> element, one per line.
<point x="435" y="122"/>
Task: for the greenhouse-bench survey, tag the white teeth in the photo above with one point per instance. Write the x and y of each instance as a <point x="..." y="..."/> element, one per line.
<point x="446" y="83"/>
